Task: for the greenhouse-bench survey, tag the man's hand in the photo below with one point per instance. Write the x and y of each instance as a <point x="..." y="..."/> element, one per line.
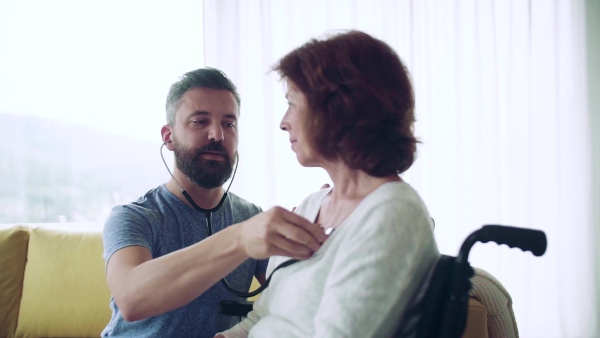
<point x="280" y="232"/>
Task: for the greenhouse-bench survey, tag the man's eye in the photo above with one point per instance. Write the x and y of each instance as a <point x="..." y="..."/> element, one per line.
<point x="229" y="125"/>
<point x="199" y="121"/>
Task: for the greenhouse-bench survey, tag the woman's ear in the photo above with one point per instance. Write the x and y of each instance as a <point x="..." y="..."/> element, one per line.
<point x="166" y="137"/>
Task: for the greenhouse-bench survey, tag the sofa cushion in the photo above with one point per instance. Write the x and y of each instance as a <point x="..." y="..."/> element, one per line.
<point x="65" y="293"/>
<point x="13" y="256"/>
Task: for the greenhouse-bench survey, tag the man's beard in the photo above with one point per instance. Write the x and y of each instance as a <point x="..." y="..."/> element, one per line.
<point x="208" y="174"/>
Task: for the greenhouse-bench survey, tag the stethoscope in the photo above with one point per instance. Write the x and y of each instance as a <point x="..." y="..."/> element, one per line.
<point x="208" y="214"/>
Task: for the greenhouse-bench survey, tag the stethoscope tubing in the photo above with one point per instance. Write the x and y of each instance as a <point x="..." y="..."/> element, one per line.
<point x="209" y="230"/>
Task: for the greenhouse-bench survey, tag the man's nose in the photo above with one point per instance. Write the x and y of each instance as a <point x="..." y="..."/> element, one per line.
<point x="215" y="133"/>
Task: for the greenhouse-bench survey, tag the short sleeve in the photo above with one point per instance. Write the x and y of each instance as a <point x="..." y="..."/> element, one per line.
<point x="126" y="226"/>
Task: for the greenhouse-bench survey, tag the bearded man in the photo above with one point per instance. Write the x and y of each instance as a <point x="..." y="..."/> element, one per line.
<point x="162" y="260"/>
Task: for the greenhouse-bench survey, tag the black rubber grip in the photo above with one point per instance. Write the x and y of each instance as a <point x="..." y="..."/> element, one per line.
<point x="524" y="239"/>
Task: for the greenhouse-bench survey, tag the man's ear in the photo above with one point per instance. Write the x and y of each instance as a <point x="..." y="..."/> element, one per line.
<point x="166" y="137"/>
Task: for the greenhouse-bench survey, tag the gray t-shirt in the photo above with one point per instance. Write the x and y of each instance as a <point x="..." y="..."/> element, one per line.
<point x="162" y="223"/>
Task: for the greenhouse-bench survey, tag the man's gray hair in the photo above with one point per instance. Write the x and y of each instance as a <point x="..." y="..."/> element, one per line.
<point x="200" y="78"/>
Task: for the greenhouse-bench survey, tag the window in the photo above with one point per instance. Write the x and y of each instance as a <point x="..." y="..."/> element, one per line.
<point x="82" y="91"/>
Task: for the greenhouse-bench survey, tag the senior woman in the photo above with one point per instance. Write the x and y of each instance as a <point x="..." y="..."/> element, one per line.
<point x="351" y="112"/>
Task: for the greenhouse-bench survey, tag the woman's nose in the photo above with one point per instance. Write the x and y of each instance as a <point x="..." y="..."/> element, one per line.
<point x="284" y="124"/>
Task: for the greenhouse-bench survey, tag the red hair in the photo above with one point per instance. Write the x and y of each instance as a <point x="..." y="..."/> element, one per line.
<point x="360" y="100"/>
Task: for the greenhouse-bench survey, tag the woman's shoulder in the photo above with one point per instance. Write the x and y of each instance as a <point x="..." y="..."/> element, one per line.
<point x="397" y="192"/>
<point x="311" y="204"/>
<point x="394" y="203"/>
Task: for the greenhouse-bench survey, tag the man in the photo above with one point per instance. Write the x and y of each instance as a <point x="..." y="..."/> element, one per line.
<point x="161" y="265"/>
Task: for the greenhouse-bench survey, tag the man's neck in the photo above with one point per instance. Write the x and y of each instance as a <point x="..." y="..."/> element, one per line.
<point x="204" y="198"/>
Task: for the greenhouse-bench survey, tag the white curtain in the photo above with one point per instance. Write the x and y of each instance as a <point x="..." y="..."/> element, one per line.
<point x="502" y="116"/>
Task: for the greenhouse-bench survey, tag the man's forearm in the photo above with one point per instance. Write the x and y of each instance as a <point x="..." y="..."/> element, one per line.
<point x="171" y="281"/>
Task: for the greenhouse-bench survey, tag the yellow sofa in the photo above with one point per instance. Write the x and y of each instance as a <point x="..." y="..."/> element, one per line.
<point x="52" y="281"/>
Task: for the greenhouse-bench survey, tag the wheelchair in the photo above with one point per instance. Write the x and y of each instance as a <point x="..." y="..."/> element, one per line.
<point x="440" y="307"/>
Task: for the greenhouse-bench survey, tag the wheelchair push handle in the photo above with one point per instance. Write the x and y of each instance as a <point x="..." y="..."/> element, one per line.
<point x="524" y="239"/>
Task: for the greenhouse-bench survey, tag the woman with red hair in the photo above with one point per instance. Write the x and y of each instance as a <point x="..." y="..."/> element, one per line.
<point x="351" y="112"/>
